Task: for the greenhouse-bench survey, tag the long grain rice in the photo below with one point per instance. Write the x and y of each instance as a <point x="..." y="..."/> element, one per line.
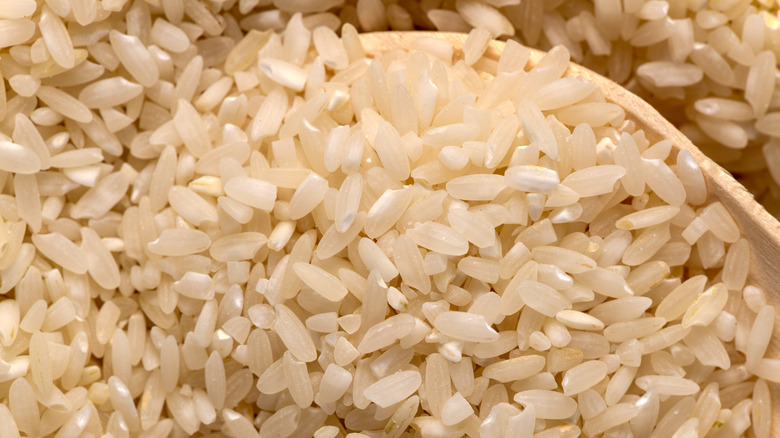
<point x="297" y="236"/>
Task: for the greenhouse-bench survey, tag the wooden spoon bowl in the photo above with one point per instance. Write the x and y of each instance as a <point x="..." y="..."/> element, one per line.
<point x="760" y="228"/>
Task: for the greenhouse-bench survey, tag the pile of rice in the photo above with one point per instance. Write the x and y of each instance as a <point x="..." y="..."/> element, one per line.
<point x="212" y="229"/>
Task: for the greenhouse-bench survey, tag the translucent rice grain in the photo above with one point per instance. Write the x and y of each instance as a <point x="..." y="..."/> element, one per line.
<point x="479" y="268"/>
<point x="236" y="247"/>
<point x="455" y="410"/>
<point x="708" y="406"/>
<point x="40" y="363"/>
<point x="385" y="333"/>
<point x="594" y="181"/>
<point x="515" y="369"/>
<point x="706" y="307"/>
<point x="109" y="92"/>
<point x="333" y="241"/>
<point x="484" y="16"/>
<point x="548" y="404"/>
<point x="536" y="128"/>
<point x="624" y="331"/>
<point x="647" y="218"/>
<point x="475" y="45"/>
<point x="664" y="182"/>
<point x="283" y="73"/>
<point x="100" y="263"/>
<point x="439" y="238"/>
<point x="759" y="85"/>
<point x="609" y="418"/>
<point x="348" y="201"/>
<point x="135" y="58"/>
<point x="294" y="334"/>
<point x="169" y="364"/>
<point x="720" y="222"/>
<point x="180" y="242"/>
<point x="195" y="285"/>
<point x="23" y="406"/>
<point x="190" y="127"/>
<point x="169" y="37"/>
<point x="646" y="244"/>
<point x="183" y="412"/>
<point x="754" y="297"/>
<point x="767" y="369"/>
<point x="561" y="93"/>
<point x="465" y="326"/>
<point x="760" y="335"/>
<point x="394" y="388"/>
<point x="583" y="376"/>
<point x="191" y="206"/>
<point x="321" y="281"/>
<point x="663" y="338"/>
<point x="307" y="196"/>
<point x="453" y="157"/>
<point x="18" y="159"/>
<point x="64" y="104"/>
<point x="24" y="85"/>
<point x="387" y="145"/>
<point x="335" y="382"/>
<point x="252" y="192"/>
<point x="478" y="187"/>
<point x="330" y="48"/>
<point x="535" y="179"/>
<point x="120" y="355"/>
<point x="375" y="259"/>
<point x="17" y="9"/>
<point x="579" y="320"/>
<point x="57" y="38"/>
<point x="101" y="198"/>
<point x="297" y="378"/>
<point x="214" y="95"/>
<point x="762" y="408"/>
<point x="707" y="348"/>
<point x="667" y="385"/>
<point x="472" y="227"/>
<point x="566" y="259"/>
<point x="62" y="251"/>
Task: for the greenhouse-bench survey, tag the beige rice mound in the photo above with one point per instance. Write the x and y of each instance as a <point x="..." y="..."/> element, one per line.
<point x="223" y="220"/>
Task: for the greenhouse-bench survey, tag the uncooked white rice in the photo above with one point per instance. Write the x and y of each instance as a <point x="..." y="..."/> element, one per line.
<point x="208" y="228"/>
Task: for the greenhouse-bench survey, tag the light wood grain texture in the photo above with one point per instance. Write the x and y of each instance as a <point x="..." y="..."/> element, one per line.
<point x="757" y="225"/>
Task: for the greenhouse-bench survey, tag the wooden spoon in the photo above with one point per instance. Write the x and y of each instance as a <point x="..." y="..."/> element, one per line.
<point x="756" y="224"/>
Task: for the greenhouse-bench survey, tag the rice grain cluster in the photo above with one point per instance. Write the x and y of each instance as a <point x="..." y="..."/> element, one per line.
<point x="711" y="67"/>
<point x="208" y="228"/>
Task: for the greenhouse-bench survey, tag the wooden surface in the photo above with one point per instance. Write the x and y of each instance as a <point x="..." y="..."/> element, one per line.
<point x="757" y="225"/>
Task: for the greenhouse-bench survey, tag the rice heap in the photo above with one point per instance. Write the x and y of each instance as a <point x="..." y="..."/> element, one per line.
<point x="212" y="232"/>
